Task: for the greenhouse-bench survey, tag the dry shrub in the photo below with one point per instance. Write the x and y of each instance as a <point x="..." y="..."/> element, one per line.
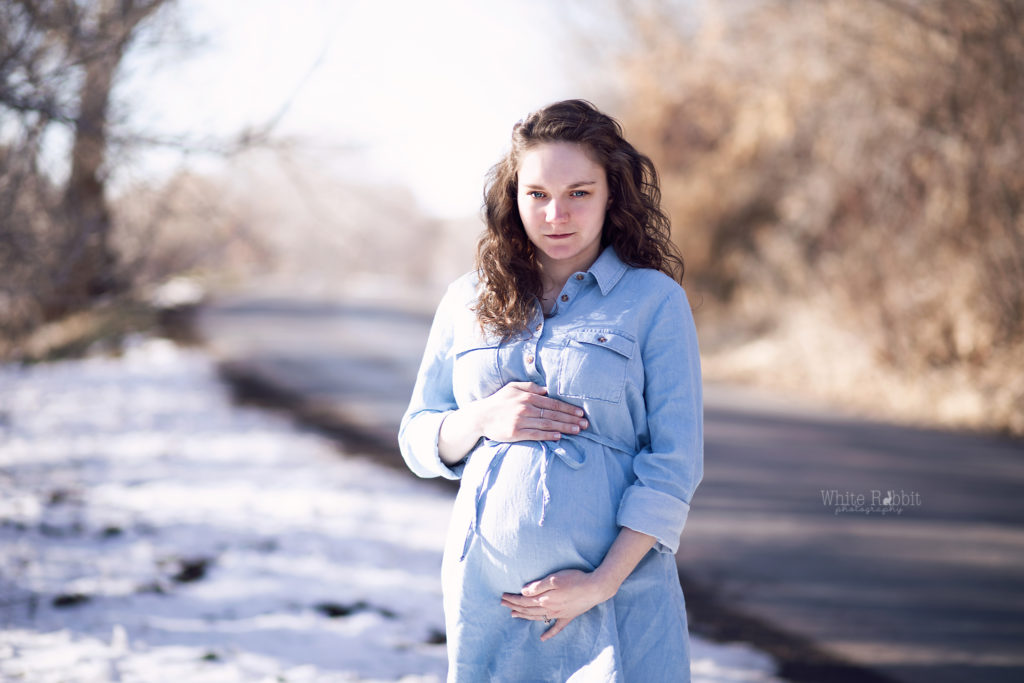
<point x="185" y="226"/>
<point x="273" y="221"/>
<point x="277" y="221"/>
<point x="856" y="164"/>
<point x="34" y="235"/>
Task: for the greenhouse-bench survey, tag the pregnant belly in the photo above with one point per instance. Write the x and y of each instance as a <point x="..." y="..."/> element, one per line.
<point x="538" y="514"/>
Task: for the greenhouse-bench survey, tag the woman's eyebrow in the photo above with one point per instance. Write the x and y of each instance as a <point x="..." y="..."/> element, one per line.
<point x="571" y="187"/>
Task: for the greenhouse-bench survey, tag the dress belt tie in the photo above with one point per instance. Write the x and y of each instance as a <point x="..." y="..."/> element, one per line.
<point x="564" y="449"/>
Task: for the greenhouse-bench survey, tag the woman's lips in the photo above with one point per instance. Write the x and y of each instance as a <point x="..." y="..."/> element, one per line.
<point x="560" y="237"/>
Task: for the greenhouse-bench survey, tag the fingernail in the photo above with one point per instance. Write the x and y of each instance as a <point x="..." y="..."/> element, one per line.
<point x="583" y="424"/>
<point x="579" y="413"/>
<point x="575" y="428"/>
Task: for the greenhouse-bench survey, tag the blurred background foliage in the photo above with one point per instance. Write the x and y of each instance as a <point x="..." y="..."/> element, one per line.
<point x="843" y="178"/>
<point x="845" y="182"/>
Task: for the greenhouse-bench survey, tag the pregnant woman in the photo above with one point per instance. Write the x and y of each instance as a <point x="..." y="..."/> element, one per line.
<point x="561" y="384"/>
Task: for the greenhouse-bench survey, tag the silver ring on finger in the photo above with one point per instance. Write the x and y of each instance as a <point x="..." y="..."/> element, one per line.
<point x="542" y="413"/>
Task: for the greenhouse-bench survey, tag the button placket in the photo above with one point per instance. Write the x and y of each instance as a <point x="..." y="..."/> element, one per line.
<point x="571" y="288"/>
<point x="530" y="352"/>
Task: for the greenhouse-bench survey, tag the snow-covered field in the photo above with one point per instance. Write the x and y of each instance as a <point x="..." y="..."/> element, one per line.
<point x="150" y="530"/>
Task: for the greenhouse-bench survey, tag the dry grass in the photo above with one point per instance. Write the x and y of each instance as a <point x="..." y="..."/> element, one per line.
<point x="103" y="327"/>
<point x="810" y="351"/>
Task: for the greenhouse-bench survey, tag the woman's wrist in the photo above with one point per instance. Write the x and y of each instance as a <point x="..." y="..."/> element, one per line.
<point x="468" y="424"/>
<point x="606" y="582"/>
<point x="623" y="556"/>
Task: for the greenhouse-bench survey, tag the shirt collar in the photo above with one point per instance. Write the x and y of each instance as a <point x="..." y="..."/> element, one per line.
<point x="608" y="269"/>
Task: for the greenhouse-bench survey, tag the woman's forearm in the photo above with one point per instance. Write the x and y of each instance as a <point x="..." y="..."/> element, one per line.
<point x="460" y="430"/>
<point x="622" y="558"/>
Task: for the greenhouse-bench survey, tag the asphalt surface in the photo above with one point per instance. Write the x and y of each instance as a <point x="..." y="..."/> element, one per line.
<point x="921" y="579"/>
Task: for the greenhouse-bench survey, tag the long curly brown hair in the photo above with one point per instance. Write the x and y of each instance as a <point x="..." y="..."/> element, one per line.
<point x="634" y="222"/>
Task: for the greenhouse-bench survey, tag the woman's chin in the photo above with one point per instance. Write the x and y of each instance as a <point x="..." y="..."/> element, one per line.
<point x="560" y="253"/>
<point x="564" y="250"/>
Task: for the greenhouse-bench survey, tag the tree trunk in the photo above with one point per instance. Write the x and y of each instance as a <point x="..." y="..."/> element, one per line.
<point x="88" y="264"/>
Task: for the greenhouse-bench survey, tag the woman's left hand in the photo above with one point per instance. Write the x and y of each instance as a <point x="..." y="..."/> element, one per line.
<point x="561" y="596"/>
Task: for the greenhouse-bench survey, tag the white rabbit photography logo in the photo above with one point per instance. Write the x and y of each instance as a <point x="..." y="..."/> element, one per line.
<point x="877" y="502"/>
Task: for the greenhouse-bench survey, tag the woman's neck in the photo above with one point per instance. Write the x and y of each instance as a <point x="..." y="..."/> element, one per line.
<point x="552" y="284"/>
<point x="554" y="274"/>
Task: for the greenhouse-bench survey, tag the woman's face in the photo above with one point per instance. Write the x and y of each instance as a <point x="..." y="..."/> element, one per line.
<point x="562" y="197"/>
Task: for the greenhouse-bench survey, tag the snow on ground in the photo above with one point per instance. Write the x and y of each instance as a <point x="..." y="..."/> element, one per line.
<point x="150" y="530"/>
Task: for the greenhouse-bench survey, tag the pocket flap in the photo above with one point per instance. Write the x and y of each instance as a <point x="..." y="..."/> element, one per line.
<point x="472" y="337"/>
<point x="472" y="344"/>
<point x="618" y="342"/>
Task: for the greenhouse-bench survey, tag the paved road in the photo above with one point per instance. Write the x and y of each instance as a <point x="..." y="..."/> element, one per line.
<point x="930" y="589"/>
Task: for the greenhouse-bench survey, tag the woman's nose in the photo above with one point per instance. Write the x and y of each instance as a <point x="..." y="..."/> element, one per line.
<point x="556" y="212"/>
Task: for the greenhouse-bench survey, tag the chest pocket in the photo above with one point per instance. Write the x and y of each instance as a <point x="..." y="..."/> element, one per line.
<point x="593" y="364"/>
<point x="475" y="371"/>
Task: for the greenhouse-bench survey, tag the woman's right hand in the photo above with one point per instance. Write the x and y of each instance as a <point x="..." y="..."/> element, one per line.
<point x="519" y="411"/>
<point x="522" y="411"/>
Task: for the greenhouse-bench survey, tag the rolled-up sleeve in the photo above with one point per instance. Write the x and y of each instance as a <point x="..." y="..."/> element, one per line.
<point x="669" y="467"/>
<point x="432" y="399"/>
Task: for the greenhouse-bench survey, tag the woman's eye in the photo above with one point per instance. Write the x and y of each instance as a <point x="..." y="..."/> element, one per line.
<point x="536" y="194"/>
<point x="578" y="193"/>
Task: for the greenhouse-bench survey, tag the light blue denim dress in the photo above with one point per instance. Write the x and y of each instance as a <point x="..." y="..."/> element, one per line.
<point x="621" y="344"/>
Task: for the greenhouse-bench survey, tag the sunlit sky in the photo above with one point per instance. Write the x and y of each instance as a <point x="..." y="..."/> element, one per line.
<point x="420" y="93"/>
